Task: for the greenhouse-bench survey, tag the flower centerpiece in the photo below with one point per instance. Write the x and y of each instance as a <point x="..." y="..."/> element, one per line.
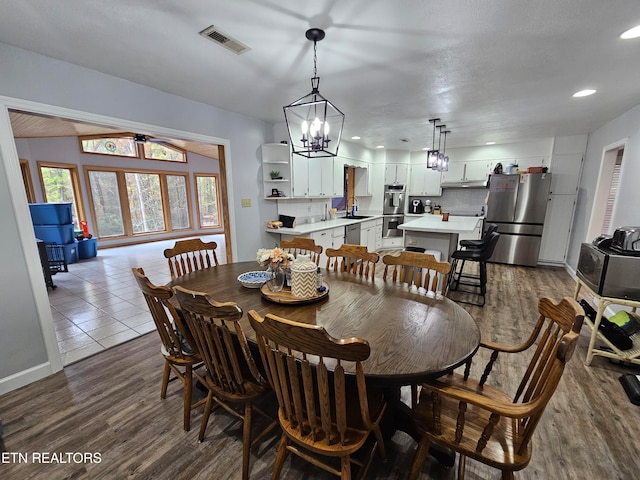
<point x="276" y="259"/>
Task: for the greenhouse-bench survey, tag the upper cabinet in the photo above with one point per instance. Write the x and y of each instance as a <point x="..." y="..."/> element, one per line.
<point x="276" y="170"/>
<point x="317" y="177"/>
<point x="321" y="177"/>
<point x="424" y="181"/>
<point x="396" y="173"/>
<point x="466" y="173"/>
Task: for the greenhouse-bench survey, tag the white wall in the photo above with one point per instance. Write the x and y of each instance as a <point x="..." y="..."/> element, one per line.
<point x="34" y="82"/>
<point x="626" y="126"/>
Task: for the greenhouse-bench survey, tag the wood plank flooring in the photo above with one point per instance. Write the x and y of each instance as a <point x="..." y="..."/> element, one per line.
<point x="110" y="405"/>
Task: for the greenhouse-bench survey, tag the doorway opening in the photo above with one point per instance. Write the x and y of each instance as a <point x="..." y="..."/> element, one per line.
<point x="604" y="201"/>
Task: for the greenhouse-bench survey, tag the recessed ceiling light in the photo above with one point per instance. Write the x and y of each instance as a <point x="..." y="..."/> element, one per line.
<point x="380" y="146"/>
<point x="355" y="137"/>
<point x="584" y="93"/>
<point x="631" y="33"/>
<point x="490" y="143"/>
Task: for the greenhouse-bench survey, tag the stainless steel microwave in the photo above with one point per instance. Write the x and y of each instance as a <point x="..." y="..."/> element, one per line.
<point x="609" y="274"/>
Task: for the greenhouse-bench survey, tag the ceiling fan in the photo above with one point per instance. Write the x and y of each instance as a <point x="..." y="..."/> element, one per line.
<point x="141" y="139"/>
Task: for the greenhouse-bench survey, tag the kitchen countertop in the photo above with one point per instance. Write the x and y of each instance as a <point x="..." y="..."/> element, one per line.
<point x="307" y="228"/>
<point x="434" y="223"/>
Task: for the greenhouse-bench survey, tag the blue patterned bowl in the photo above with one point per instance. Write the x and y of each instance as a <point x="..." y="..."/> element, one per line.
<point x="254" y="279"/>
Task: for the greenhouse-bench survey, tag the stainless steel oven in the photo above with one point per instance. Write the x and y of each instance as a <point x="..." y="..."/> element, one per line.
<point x="390" y="226"/>
<point x="393" y="200"/>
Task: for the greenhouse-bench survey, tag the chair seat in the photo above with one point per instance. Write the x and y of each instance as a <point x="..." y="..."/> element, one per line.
<point x="499" y="451"/>
<point x="475" y="255"/>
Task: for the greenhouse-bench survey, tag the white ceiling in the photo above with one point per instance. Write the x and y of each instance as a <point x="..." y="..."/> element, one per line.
<point x="492" y="70"/>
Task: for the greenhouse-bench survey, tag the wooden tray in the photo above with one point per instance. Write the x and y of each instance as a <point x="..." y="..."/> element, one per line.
<point x="284" y="295"/>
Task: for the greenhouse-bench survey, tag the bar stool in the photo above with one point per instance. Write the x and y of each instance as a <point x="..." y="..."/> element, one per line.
<point x="480" y="254"/>
<point x="476" y="244"/>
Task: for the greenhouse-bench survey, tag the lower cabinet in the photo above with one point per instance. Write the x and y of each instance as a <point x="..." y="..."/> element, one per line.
<point x="371" y="234"/>
<point x="330" y="238"/>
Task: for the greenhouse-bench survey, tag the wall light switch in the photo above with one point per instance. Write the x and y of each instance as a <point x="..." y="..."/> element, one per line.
<point x="246" y="202"/>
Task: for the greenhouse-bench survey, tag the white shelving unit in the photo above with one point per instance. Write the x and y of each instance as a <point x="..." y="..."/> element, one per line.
<point x="276" y="157"/>
<point x="632" y="355"/>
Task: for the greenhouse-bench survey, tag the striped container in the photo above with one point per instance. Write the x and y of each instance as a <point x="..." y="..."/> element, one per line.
<point x="303" y="277"/>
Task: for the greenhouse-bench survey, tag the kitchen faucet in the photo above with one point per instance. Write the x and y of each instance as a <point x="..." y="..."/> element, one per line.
<point x="354" y="206"/>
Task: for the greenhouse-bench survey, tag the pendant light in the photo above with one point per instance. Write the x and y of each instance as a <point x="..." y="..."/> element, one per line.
<point x="443" y="158"/>
<point x="438" y="156"/>
<point x="432" y="155"/>
<point x="314" y="123"/>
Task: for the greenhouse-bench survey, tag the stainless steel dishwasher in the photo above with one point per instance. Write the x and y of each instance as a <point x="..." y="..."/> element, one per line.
<point x="353" y="234"/>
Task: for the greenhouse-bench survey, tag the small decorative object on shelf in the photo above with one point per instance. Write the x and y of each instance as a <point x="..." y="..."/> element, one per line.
<point x="276" y="259"/>
<point x="275" y="175"/>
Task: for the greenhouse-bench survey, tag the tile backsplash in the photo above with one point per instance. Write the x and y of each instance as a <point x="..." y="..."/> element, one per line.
<point x="305" y="210"/>
<point x="459" y="199"/>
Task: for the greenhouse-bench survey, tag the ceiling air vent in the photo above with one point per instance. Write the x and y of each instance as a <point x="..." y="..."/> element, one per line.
<point x="218" y="36"/>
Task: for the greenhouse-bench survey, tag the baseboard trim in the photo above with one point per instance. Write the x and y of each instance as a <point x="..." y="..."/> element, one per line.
<point x="25" y="377"/>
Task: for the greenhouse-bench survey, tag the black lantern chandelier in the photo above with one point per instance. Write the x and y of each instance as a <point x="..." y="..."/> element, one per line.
<point x="312" y="119"/>
<point x="436" y="158"/>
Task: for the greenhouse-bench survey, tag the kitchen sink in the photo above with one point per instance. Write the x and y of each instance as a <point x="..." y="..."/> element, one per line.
<point x="355" y="217"/>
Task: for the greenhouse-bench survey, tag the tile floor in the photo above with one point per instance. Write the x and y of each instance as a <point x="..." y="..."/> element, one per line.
<point x="97" y="304"/>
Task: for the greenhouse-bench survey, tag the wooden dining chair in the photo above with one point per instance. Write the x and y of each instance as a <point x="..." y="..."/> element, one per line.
<point x="189" y="255"/>
<point x="179" y="358"/>
<point x="354" y="259"/>
<point x="479" y="421"/>
<point x="412" y="267"/>
<point x="304" y="246"/>
<point x="323" y="411"/>
<point x="233" y="379"/>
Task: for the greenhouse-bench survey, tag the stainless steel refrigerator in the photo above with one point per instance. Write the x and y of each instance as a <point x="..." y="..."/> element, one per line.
<point x="518" y="205"/>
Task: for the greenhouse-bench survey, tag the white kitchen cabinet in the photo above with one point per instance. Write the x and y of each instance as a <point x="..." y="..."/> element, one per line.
<point x="320" y="172"/>
<point x="379" y="223"/>
<point x="338" y="177"/>
<point x="455" y="173"/>
<point x="476" y="171"/>
<point x="276" y="158"/>
<point x="565" y="173"/>
<point x="466" y="172"/>
<point x="329" y="238"/>
<point x="557" y="228"/>
<point x="300" y="177"/>
<point x="368" y="235"/>
<point x="424" y="181"/>
<point x="362" y="185"/>
<point x="396" y="173"/>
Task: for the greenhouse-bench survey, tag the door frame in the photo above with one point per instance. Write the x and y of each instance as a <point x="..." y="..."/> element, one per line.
<point x="23" y="217"/>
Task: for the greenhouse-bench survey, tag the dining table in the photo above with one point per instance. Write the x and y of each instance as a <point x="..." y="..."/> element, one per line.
<point x="413" y="336"/>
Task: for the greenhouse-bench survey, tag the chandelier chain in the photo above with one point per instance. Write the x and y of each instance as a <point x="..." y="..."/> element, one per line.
<point x="315" y="59"/>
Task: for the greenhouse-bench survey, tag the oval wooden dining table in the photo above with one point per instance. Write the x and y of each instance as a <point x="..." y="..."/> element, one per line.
<point x="412" y="337"/>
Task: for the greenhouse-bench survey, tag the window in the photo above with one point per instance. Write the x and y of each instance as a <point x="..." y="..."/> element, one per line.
<point x="107" y="210"/>
<point x="161" y="151"/>
<point x="26" y="179"/>
<point x="126" y="146"/>
<point x="60" y="184"/>
<point x="118" y="146"/>
<point x="145" y="202"/>
<point x="128" y="203"/>
<point x="178" y="201"/>
<point x="208" y="200"/>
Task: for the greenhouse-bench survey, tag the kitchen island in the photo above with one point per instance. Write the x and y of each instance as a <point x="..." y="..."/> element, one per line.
<point x="431" y="233"/>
